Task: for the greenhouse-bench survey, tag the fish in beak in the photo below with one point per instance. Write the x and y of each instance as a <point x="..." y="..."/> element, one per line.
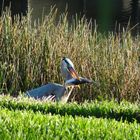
<point x="75" y="81"/>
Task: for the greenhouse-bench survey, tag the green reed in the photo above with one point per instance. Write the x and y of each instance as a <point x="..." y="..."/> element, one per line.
<point x="30" y="55"/>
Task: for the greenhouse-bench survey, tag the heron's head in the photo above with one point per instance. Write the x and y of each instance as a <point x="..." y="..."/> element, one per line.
<point x="68" y="66"/>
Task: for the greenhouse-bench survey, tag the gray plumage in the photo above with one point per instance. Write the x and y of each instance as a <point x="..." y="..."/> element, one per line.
<point x="58" y="91"/>
<point x="52" y="89"/>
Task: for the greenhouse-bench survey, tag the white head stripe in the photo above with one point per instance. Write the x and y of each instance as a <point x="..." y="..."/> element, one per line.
<point x="70" y="62"/>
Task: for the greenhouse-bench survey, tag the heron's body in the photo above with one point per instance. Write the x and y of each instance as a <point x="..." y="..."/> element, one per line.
<point x="58" y="91"/>
<point x="49" y="89"/>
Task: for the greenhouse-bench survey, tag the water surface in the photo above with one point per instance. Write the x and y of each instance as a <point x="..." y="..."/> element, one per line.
<point x="107" y="13"/>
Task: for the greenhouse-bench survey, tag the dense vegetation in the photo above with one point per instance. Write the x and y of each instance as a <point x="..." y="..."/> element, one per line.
<point x="104" y="109"/>
<point x="29" y="125"/>
<point x="22" y="118"/>
<point x="30" y="55"/>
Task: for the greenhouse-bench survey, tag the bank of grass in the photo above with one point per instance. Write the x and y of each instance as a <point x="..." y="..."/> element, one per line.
<point x="124" y="111"/>
<point x="29" y="125"/>
<point x="30" y="55"/>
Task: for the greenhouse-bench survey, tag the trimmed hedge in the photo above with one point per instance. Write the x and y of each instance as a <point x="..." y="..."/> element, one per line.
<point x="105" y="109"/>
<point x="29" y="125"/>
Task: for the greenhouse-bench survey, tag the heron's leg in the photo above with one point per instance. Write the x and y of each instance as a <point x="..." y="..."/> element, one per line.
<point x="69" y="93"/>
<point x="71" y="90"/>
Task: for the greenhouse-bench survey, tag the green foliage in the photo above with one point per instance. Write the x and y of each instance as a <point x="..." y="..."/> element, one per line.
<point x="104" y="109"/>
<point x="30" y="55"/>
<point x="25" y="124"/>
<point x="22" y="118"/>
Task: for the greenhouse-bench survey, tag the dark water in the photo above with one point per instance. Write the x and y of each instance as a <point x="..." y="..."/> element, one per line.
<point x="107" y="13"/>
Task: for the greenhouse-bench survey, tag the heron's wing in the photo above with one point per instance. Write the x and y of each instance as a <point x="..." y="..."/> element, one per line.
<point x="39" y="92"/>
<point x="44" y="91"/>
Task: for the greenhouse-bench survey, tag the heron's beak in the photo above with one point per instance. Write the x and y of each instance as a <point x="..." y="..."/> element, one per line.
<point x="73" y="73"/>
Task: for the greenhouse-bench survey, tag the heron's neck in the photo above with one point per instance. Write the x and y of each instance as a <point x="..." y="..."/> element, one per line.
<point x="68" y="76"/>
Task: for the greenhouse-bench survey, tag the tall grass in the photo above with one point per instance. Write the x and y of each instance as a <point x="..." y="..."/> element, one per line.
<point x="30" y="55"/>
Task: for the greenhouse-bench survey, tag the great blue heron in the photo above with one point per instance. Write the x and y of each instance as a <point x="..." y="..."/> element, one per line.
<point x="54" y="91"/>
